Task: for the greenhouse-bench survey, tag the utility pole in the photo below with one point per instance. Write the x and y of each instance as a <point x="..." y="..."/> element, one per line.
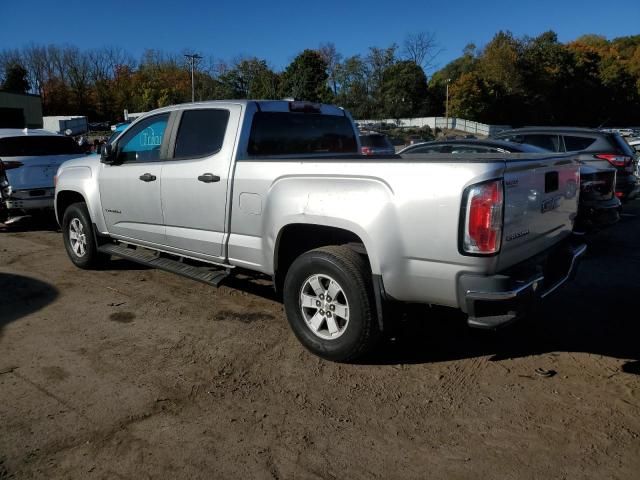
<point x="192" y="58"/>
<point x="447" y="106"/>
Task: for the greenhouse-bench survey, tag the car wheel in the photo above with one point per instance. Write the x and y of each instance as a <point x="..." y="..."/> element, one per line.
<point x="330" y="305"/>
<point x="79" y="239"/>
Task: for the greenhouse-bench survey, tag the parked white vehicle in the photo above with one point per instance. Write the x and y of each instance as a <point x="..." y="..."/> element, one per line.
<point x="30" y="159"/>
<point x="209" y="189"/>
<point x="635" y="144"/>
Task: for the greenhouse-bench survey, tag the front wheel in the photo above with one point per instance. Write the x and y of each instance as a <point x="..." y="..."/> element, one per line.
<point x="79" y="239"/>
<point x="330" y="305"/>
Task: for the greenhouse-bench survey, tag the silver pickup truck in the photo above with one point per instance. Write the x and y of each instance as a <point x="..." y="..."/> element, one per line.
<point x="207" y="190"/>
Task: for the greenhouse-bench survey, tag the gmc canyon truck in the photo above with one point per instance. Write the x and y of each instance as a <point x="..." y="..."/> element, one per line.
<point x="207" y="190"/>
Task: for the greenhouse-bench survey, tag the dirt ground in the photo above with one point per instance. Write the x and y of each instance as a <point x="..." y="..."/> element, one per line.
<point x="136" y="373"/>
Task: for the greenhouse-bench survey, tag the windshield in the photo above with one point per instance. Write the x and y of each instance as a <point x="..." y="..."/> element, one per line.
<point x="113" y="136"/>
<point x="622" y="144"/>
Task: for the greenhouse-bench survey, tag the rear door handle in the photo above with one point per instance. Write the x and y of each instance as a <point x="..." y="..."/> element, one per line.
<point x="209" y="178"/>
<point x="147" y="177"/>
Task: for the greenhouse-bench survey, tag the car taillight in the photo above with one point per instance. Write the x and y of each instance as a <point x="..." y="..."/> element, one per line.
<point x="9" y="164"/>
<point x="483" y="219"/>
<point x="620" y="161"/>
<point x="366" y="151"/>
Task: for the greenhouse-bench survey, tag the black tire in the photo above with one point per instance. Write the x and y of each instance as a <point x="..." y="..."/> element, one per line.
<point x="361" y="332"/>
<point x="89" y="258"/>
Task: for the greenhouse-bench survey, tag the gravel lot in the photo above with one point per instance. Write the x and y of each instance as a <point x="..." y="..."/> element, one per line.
<point x="136" y="373"/>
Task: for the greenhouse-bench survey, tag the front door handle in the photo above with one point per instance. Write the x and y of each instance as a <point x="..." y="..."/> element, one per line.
<point x="147" y="177"/>
<point x="209" y="178"/>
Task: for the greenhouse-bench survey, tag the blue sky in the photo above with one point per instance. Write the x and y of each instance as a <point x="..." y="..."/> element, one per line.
<point x="277" y="31"/>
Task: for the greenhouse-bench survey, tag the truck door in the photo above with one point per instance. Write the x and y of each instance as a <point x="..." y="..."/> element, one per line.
<point x="196" y="179"/>
<point x="130" y="189"/>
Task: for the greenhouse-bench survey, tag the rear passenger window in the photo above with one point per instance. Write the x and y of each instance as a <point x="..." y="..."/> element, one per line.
<point x="283" y="133"/>
<point x="548" y="142"/>
<point x="201" y="133"/>
<point x="575" y="144"/>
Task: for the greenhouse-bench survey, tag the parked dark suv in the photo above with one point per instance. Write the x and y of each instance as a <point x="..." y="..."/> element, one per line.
<point x="597" y="149"/>
<point x="374" y="143"/>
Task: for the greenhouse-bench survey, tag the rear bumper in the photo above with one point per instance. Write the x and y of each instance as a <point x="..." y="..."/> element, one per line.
<point x="33" y="199"/>
<point x="492" y="301"/>
<point x="596" y="215"/>
<point x="627" y="187"/>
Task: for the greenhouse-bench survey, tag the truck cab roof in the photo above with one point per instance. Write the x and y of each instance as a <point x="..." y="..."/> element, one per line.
<point x="261" y="105"/>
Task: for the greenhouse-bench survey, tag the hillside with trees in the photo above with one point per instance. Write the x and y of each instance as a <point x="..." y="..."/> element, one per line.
<point x="517" y="81"/>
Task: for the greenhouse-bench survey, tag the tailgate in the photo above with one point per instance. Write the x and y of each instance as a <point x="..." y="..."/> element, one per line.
<point x="541" y="203"/>
<point x="35" y="172"/>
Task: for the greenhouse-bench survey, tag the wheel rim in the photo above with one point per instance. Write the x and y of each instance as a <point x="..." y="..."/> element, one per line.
<point x="324" y="307"/>
<point x="77" y="237"/>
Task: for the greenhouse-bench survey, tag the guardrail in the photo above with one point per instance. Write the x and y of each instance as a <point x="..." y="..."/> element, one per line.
<point x="444" y="123"/>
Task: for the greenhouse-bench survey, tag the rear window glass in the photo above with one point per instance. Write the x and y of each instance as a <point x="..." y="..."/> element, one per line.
<point x="283" y="133"/>
<point x="472" y="149"/>
<point x="575" y="144"/>
<point x="201" y="132"/>
<point x="379" y="141"/>
<point x="437" y="149"/>
<point x="622" y="144"/>
<point x="36" y="146"/>
<point x="548" y="142"/>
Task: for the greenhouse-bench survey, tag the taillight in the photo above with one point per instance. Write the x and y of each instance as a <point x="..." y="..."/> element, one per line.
<point x="620" y="161"/>
<point x="483" y="219"/>
<point x="366" y="151"/>
<point x="9" y="164"/>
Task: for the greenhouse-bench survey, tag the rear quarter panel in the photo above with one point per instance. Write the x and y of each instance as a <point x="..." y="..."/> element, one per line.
<point x="407" y="213"/>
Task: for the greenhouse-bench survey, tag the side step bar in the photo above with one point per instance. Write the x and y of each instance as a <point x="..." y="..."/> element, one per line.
<point x="209" y="275"/>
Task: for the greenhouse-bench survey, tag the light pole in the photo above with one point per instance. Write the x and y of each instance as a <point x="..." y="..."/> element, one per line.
<point x="447" y="106"/>
<point x="192" y="58"/>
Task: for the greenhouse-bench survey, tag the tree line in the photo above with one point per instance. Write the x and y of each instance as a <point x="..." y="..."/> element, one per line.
<point x="527" y="80"/>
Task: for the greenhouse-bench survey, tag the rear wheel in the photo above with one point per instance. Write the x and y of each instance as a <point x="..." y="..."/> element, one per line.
<point x="79" y="238"/>
<point x="329" y="303"/>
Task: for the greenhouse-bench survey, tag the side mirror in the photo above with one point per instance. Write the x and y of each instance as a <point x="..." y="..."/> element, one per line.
<point x="108" y="154"/>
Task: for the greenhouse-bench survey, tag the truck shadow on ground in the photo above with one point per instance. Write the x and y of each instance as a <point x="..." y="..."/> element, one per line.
<point x="21" y="296"/>
<point x="571" y="324"/>
<point x="596" y="313"/>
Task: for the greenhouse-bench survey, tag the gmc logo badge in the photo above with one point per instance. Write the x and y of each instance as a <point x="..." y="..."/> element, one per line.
<point x="551" y="204"/>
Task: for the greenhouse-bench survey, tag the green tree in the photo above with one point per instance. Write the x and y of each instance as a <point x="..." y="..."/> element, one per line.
<point x="470" y="97"/>
<point x="499" y="62"/>
<point x="306" y="78"/>
<point x="250" y="78"/>
<point x="354" y="94"/>
<point x="467" y="63"/>
<point x="16" y="79"/>
<point x="547" y="69"/>
<point x="404" y="90"/>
